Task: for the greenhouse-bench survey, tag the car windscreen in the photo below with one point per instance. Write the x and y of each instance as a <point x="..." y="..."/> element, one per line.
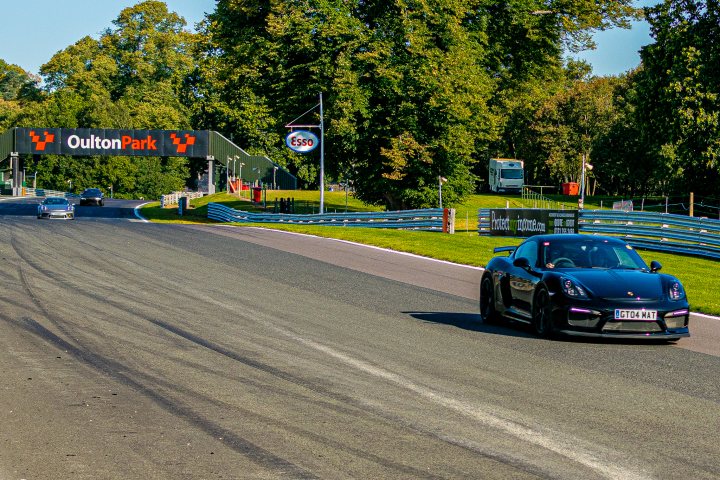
<point x="591" y="253"/>
<point x="54" y="201"/>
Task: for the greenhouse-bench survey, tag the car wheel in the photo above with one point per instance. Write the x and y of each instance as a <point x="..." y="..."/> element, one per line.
<point x="488" y="314"/>
<point x="542" y="313"/>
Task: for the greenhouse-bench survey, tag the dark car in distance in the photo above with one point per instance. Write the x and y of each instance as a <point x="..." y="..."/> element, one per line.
<point x="584" y="285"/>
<point x="92" y="196"/>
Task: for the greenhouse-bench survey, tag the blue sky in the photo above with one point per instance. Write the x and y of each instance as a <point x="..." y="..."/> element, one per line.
<point x="36" y="36"/>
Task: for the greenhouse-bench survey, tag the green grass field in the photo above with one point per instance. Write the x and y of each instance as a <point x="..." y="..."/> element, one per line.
<point x="465" y="246"/>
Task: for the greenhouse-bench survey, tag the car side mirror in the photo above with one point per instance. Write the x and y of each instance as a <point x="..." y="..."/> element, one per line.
<point x="522" y="262"/>
<point x="655" y="266"/>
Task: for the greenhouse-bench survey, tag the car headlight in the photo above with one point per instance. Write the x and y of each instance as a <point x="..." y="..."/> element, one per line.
<point x="571" y="289"/>
<point x="676" y="291"/>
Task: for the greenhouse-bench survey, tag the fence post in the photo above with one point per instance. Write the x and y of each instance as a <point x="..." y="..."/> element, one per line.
<point x="692" y="202"/>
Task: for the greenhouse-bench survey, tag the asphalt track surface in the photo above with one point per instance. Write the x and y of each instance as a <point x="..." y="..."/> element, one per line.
<point x="131" y="350"/>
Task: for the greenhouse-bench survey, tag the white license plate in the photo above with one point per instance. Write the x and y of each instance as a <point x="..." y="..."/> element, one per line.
<point x="622" y="314"/>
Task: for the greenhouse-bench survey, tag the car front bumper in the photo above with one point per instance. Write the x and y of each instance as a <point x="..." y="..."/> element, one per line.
<point x="67" y="215"/>
<point x="598" y="321"/>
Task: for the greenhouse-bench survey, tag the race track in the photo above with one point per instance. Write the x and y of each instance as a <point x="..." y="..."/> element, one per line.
<point x="139" y="351"/>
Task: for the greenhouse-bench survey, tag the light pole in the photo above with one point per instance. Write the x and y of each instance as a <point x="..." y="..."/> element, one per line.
<point x="227" y="175"/>
<point x="345" y="186"/>
<point x="441" y="180"/>
<point x="275" y="169"/>
<point x="585" y="166"/>
<point x="241" y="180"/>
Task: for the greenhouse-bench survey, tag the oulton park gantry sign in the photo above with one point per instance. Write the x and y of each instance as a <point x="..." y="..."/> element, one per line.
<point x="92" y="141"/>
<point x="221" y="154"/>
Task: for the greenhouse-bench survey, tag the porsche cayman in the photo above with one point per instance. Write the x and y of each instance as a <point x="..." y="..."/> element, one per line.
<point x="583" y="285"/>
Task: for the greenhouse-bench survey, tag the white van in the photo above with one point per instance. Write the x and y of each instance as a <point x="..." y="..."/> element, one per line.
<point x="507" y="175"/>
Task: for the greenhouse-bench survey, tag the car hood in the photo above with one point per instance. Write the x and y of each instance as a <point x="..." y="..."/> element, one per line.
<point x="614" y="283"/>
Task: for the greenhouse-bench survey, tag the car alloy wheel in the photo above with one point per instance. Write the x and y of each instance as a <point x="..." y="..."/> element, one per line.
<point x="488" y="314"/>
<point x="542" y="313"/>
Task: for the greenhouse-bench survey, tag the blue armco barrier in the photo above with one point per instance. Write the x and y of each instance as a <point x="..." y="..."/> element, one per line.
<point x="425" y="219"/>
<point x="664" y="232"/>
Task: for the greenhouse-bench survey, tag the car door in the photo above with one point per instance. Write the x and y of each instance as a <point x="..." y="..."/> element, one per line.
<point x="522" y="280"/>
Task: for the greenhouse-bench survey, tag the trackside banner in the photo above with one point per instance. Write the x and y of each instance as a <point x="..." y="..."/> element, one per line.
<point x="97" y="141"/>
<point x="526" y="222"/>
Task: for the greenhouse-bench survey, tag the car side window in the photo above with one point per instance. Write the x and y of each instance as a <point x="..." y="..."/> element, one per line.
<point x="528" y="250"/>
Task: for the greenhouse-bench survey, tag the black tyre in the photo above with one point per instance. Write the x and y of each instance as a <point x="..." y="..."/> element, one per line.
<point x="488" y="314"/>
<point x="542" y="313"/>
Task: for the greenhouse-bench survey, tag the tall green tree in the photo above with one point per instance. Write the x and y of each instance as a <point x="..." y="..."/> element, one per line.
<point x="678" y="102"/>
<point x="132" y="77"/>
<point x="414" y="90"/>
<point x="17" y="87"/>
<point x="569" y="125"/>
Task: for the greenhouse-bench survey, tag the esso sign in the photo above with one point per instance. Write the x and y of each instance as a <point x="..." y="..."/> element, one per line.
<point x="301" y="141"/>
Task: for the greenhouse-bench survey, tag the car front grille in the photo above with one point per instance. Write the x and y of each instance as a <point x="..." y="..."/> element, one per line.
<point x="635" y="327"/>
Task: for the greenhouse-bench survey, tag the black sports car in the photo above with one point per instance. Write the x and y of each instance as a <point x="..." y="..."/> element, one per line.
<point x="92" y="196"/>
<point x="583" y="285"/>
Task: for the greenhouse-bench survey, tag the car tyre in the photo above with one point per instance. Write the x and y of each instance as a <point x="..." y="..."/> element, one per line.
<point x="542" y="313"/>
<point x="488" y="314"/>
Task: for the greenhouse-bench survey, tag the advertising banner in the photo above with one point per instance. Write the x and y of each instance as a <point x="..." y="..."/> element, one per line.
<point x="526" y="222"/>
<point x="98" y="141"/>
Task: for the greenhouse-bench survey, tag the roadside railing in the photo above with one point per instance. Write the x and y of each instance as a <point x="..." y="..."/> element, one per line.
<point x="174" y="198"/>
<point x="657" y="231"/>
<point x="664" y="232"/>
<point x="533" y="199"/>
<point x="430" y="219"/>
<point x="42" y="192"/>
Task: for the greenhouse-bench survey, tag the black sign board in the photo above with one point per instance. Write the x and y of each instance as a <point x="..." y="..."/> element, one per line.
<point x="98" y="141"/>
<point x="526" y="222"/>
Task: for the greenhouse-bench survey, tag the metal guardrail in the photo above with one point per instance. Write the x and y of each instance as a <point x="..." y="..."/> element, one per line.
<point x="174" y="198"/>
<point x="42" y="192"/>
<point x="663" y="232"/>
<point x="431" y="219"/>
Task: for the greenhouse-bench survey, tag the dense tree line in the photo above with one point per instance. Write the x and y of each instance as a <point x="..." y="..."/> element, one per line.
<point x="413" y="91"/>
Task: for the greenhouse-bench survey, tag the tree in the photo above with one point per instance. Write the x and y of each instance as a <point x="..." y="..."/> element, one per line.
<point x="17" y="87"/>
<point x="678" y="103"/>
<point x="570" y="124"/>
<point x="130" y="78"/>
<point x="414" y="90"/>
